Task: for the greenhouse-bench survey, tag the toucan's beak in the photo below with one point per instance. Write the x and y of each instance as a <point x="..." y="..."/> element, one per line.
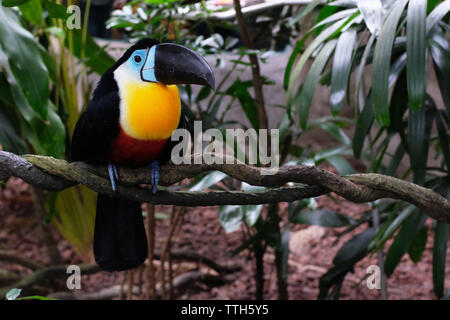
<point x="169" y="63"/>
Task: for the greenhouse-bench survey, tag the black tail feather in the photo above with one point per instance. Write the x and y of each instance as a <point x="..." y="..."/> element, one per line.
<point x="120" y="242"/>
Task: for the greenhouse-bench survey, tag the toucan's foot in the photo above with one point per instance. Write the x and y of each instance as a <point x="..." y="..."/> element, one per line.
<point x="154" y="175"/>
<point x="113" y="175"/>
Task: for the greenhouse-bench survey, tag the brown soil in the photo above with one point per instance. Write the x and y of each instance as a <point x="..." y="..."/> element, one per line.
<point x="313" y="249"/>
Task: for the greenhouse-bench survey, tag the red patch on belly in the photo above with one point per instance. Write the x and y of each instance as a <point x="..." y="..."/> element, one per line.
<point x="127" y="150"/>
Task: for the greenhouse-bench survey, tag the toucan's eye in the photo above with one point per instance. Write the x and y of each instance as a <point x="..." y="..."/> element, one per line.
<point x="137" y="59"/>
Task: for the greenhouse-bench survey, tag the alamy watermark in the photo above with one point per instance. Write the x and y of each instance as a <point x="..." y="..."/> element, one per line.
<point x="74" y="280"/>
<point x="231" y="146"/>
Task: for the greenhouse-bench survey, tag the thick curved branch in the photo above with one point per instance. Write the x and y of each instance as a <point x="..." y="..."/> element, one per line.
<point x="54" y="174"/>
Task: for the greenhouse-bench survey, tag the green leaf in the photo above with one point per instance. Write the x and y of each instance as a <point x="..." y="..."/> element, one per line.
<point x="354" y="249"/>
<point x="203" y="94"/>
<point x="437" y="15"/>
<point x="13" y="3"/>
<point x="441" y="61"/>
<point x="417" y="247"/>
<point x="323" y="218"/>
<point x="348" y="255"/>
<point x="444" y="139"/>
<point x="230" y="217"/>
<point x="403" y="240"/>
<point x="372" y="11"/>
<point x="10" y="138"/>
<point x="96" y="57"/>
<point x="328" y="32"/>
<point x="397" y="109"/>
<point x="292" y="58"/>
<point x="418" y="143"/>
<point x="209" y="180"/>
<point x="13" y="294"/>
<point x="363" y="125"/>
<point x="416" y="52"/>
<point x="360" y="72"/>
<point x="56" y="11"/>
<point x="382" y="61"/>
<point x="341" y="69"/>
<point x="26" y="64"/>
<point x="440" y="257"/>
<point x="36" y="298"/>
<point x="313" y="78"/>
<point x="308" y="9"/>
<point x="341" y="165"/>
<point x="47" y="138"/>
<point x="239" y="89"/>
<point x="32" y="11"/>
<point x="390" y="227"/>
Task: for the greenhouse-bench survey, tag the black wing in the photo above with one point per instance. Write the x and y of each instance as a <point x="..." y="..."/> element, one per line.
<point x="97" y="127"/>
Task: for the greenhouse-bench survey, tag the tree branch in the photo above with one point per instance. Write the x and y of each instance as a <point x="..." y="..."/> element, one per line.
<point x="54" y="174"/>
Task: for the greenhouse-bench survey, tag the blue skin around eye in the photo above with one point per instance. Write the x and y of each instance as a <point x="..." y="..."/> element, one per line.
<point x="146" y="67"/>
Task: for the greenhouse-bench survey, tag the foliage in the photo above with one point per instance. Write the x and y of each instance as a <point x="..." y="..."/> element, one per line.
<point x="400" y="43"/>
<point x="39" y="101"/>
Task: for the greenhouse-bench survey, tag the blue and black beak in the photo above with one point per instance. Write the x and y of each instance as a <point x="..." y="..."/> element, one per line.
<point x="169" y="63"/>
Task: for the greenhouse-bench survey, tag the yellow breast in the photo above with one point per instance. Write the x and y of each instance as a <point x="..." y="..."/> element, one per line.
<point x="149" y="111"/>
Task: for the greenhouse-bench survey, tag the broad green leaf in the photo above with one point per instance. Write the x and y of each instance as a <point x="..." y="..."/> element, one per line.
<point x="96" y="57"/>
<point x="382" y="62"/>
<point x="32" y="11"/>
<point x="313" y="78"/>
<point x="230" y="217"/>
<point x="47" y="138"/>
<point x="209" y="180"/>
<point x="13" y="3"/>
<point x="323" y="218"/>
<point x="56" y="11"/>
<point x="341" y="69"/>
<point x="13" y="294"/>
<point x="416" y="53"/>
<point x="440" y="257"/>
<point x="25" y="62"/>
<point x="239" y="89"/>
<point x="403" y="240"/>
<point x="417" y="247"/>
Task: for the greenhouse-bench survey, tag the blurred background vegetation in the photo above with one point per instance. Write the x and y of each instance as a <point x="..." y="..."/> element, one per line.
<point x="374" y="57"/>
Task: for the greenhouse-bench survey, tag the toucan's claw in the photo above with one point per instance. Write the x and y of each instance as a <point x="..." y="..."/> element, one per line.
<point x="113" y="176"/>
<point x="154" y="175"/>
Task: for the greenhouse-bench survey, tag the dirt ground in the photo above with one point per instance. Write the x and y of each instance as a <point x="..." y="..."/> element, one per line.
<point x="312" y="252"/>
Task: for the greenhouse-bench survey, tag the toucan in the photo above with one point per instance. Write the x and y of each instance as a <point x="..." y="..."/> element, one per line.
<point x="133" y="112"/>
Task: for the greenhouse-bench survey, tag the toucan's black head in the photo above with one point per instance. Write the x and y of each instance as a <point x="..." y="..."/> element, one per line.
<point x="164" y="63"/>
